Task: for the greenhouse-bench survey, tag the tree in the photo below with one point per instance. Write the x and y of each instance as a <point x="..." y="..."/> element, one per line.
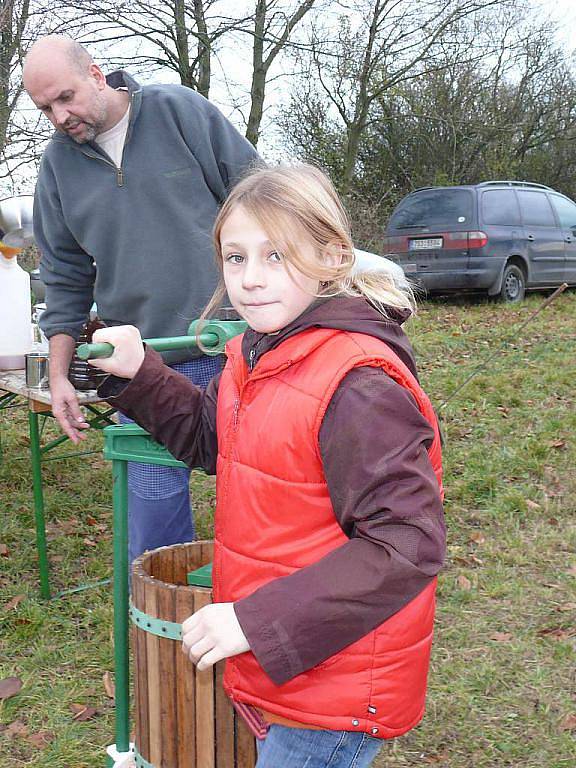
<point x="380" y="45"/>
<point x="172" y="35"/>
<point x="21" y="22"/>
<point x="184" y="37"/>
<point x="272" y="29"/>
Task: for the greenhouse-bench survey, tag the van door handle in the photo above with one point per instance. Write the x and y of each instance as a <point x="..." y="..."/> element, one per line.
<point x="567" y="239"/>
<point x="530" y="237"/>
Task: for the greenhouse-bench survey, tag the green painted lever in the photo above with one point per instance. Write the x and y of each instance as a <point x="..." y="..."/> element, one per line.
<point x="213" y="336"/>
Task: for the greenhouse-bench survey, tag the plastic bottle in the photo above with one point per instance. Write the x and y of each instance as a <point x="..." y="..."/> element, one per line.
<point x="15" y="311"/>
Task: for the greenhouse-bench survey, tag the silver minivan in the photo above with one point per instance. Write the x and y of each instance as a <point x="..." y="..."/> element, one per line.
<point x="498" y="237"/>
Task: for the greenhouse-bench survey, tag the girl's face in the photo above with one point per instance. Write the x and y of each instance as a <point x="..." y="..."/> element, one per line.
<point x="256" y="276"/>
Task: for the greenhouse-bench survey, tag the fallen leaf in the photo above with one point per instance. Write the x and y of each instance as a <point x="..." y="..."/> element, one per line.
<point x="17" y="728"/>
<point x="9" y="687"/>
<point x="41" y="739"/>
<point x="89" y="542"/>
<point x="532" y="504"/>
<point x="4" y="551"/>
<point x="83" y="712"/>
<point x="477" y="537"/>
<point x="501" y="637"/>
<point x="14" y="602"/>
<point x="569" y="723"/>
<point x="440" y="757"/>
<point x="566" y="607"/>
<point x="109" y="685"/>
<point x="558" y="633"/>
<point x="70" y="526"/>
<point x="558" y="444"/>
<point x="464" y="583"/>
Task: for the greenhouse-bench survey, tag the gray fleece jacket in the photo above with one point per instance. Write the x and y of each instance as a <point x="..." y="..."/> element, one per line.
<point x="137" y="239"/>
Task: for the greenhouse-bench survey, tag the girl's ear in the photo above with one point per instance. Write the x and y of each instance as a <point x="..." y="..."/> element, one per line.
<point x="333" y="255"/>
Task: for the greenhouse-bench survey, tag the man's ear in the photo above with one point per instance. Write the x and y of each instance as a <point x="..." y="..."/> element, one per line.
<point x="98" y="76"/>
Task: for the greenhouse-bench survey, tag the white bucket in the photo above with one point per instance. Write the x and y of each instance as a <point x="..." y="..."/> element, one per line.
<point x="15" y="314"/>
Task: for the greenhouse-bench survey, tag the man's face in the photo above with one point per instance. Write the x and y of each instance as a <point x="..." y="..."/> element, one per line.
<point x="74" y="103"/>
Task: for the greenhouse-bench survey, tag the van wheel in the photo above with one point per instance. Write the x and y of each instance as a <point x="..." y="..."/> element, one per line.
<point x="513" y="284"/>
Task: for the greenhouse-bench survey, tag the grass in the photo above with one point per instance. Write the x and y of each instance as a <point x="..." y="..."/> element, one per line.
<point x="502" y="685"/>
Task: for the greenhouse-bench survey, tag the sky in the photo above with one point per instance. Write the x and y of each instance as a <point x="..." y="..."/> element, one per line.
<point x="564" y="12"/>
<point x="238" y="64"/>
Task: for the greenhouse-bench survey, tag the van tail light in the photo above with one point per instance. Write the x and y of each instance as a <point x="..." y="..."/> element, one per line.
<point x="477" y="239"/>
<point x="395" y="244"/>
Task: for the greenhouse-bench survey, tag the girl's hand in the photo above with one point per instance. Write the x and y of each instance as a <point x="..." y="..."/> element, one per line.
<point x="211" y="634"/>
<point x="128" y="350"/>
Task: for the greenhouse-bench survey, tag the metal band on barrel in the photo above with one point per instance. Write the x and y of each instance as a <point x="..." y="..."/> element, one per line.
<point x="170" y="629"/>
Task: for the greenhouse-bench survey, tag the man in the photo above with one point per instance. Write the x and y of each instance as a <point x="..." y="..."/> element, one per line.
<point x="127" y="192"/>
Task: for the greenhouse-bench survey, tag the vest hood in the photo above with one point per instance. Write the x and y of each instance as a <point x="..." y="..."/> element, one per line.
<point x="343" y="313"/>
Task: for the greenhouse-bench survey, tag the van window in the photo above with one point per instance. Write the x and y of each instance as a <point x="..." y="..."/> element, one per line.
<point x="500" y="207"/>
<point x="566" y="211"/>
<point x="434" y="208"/>
<point x="536" y="210"/>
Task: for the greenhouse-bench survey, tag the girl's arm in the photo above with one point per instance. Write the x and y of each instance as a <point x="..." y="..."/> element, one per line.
<point x="177" y="413"/>
<point x="386" y="499"/>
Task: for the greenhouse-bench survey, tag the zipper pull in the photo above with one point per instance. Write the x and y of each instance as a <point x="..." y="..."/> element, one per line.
<point x="120" y="177"/>
<point x="251" y="357"/>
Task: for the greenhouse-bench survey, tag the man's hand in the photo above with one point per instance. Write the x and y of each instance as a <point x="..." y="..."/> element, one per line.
<point x="128" y="350"/>
<point x="66" y="409"/>
<point x="211" y="634"/>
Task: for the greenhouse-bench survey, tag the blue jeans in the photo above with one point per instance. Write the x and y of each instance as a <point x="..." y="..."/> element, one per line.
<point x="159" y="511"/>
<point x="302" y="748"/>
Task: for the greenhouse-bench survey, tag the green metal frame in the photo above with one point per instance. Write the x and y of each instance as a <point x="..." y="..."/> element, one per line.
<point x="124" y="443"/>
<point x="37" y="456"/>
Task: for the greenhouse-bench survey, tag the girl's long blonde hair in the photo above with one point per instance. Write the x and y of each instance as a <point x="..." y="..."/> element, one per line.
<point x="298" y="202"/>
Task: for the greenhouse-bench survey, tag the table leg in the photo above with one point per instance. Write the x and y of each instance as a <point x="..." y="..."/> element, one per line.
<point x="36" y="462"/>
<point x="121" y="650"/>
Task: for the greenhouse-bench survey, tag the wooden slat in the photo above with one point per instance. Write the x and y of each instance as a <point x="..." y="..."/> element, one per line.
<point x="245" y="746"/>
<point x="205" y="734"/>
<point x="224" y="722"/>
<point x="37" y="407"/>
<point x="185" y="695"/>
<point x="166" y="565"/>
<point x="168" y="679"/>
<point x="154" y="682"/>
<point x="180" y="567"/>
<point x="194" y="556"/>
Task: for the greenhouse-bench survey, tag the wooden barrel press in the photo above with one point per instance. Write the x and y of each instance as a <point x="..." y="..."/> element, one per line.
<point x="183" y="717"/>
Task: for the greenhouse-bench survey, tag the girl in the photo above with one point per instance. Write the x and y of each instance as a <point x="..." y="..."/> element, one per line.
<point x="328" y="529"/>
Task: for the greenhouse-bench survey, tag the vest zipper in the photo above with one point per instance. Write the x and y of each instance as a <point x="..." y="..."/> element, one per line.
<point x="251" y="357"/>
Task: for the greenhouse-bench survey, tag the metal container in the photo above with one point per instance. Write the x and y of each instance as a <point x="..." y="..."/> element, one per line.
<point x="37" y="370"/>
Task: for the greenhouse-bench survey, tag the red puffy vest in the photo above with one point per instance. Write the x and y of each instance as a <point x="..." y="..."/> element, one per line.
<point x="274" y="516"/>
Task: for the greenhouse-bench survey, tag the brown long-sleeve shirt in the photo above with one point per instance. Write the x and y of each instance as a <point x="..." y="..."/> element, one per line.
<point x="373" y="443"/>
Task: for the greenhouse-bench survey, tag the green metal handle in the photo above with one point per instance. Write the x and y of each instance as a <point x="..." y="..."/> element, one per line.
<point x="214" y="337"/>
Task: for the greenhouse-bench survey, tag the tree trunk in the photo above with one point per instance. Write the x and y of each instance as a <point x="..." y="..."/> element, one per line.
<point x="204" y="69"/>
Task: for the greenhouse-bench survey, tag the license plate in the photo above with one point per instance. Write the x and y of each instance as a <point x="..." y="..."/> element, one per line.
<point x="425" y="244"/>
<point x="408" y="268"/>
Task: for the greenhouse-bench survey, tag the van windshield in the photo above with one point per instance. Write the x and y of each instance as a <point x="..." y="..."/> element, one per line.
<point x="434" y="208"/>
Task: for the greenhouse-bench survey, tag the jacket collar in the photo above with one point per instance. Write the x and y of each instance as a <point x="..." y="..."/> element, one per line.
<point x="116" y="79"/>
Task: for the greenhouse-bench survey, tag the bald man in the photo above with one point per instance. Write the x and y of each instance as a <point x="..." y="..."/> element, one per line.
<point x="128" y="189"/>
